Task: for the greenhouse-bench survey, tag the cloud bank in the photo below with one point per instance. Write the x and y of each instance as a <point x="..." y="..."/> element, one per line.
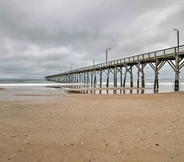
<point x="40" y="38"/>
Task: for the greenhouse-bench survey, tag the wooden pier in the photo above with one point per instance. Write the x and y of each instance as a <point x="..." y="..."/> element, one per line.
<point x="91" y="76"/>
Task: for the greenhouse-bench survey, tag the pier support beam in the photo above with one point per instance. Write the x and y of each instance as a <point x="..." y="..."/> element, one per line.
<point x="128" y="69"/>
<point x="142" y="77"/>
<point x="84" y="81"/>
<point x="176" y="67"/>
<point x="140" y="68"/>
<point x="155" y="68"/>
<point x="77" y="80"/>
<point x="100" y="80"/>
<point x="138" y="74"/>
<point x="115" y="78"/>
<point x="176" y="85"/>
<point x="91" y="79"/>
<point x="143" y="80"/>
<point x="95" y="79"/>
<point x="158" y="65"/>
<point x="156" y="84"/>
<point x="88" y="80"/>
<point x="80" y="80"/>
<point x="121" y="77"/>
<point x="124" y="81"/>
<point x="107" y="85"/>
<point x="131" y="78"/>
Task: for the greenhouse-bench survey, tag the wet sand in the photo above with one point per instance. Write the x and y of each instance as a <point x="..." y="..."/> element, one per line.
<point x="89" y="127"/>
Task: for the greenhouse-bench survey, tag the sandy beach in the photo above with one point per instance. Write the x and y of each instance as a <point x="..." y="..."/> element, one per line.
<point x="88" y="127"/>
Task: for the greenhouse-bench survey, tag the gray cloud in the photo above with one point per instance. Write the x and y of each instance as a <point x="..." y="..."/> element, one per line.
<point x="44" y="37"/>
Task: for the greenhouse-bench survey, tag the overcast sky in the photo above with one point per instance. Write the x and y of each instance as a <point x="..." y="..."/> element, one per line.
<point x="43" y="37"/>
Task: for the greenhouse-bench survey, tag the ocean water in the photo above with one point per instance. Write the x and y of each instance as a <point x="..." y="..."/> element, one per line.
<point x="24" y="86"/>
<point x="29" y="90"/>
<point x="15" y="86"/>
<point x="26" y="83"/>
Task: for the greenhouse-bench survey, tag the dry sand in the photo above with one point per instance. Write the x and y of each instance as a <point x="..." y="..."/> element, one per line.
<point x="86" y="127"/>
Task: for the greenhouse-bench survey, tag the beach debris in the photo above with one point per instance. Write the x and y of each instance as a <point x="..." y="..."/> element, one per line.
<point x="157" y="144"/>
